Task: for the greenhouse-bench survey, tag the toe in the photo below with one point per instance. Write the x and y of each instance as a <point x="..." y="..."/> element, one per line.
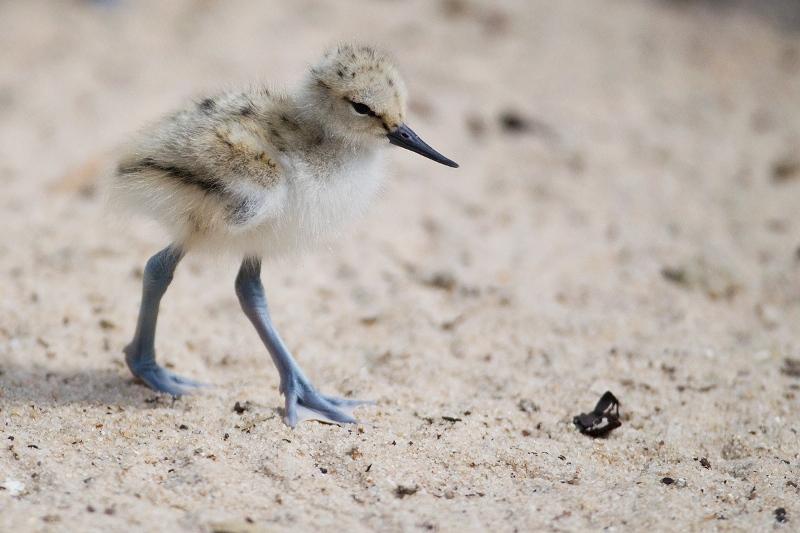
<point x="162" y="380"/>
<point x="291" y="410"/>
<point x="162" y="383"/>
<point x="186" y="382"/>
<point x="347" y="402"/>
<point x="329" y="415"/>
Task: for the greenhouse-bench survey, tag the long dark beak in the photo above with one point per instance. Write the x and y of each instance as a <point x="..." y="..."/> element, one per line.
<point x="405" y="137"/>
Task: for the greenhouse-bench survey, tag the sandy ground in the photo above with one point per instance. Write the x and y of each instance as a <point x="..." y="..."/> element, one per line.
<point x="633" y="228"/>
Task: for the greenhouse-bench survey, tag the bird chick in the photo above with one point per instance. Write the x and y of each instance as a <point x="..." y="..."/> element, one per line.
<point x="258" y="173"/>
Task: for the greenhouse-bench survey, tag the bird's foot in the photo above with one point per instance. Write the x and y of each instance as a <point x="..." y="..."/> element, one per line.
<point x="157" y="377"/>
<point x="303" y="402"/>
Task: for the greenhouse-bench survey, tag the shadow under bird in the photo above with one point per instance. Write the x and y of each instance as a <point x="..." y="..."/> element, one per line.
<point x="258" y="173"/>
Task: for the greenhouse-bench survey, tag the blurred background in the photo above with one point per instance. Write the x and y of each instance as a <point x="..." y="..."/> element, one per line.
<point x="624" y="218"/>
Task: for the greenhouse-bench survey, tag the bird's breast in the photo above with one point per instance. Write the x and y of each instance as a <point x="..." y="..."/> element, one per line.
<point x="323" y="195"/>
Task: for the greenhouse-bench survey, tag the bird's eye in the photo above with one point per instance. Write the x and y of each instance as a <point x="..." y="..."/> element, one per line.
<point x="361" y="109"/>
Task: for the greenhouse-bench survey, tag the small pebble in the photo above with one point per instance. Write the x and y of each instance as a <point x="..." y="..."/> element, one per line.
<point x="402" y="491"/>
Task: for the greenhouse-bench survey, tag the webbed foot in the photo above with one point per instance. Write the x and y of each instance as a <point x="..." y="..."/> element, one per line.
<point x="303" y="402"/>
<point x="157" y="377"/>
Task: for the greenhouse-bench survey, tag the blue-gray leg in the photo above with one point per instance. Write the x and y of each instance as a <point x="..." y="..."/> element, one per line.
<point x="140" y="354"/>
<point x="303" y="402"/>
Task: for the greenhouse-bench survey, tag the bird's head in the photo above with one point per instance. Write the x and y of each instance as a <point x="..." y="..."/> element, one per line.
<point x="357" y="93"/>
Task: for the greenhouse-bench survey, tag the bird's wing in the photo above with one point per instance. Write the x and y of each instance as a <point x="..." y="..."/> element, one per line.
<point x="211" y="164"/>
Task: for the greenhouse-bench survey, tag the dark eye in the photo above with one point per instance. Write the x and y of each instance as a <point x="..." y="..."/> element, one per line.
<point x="361" y="108"/>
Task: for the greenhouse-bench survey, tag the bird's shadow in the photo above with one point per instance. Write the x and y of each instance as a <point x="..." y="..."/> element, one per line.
<point x="49" y="387"/>
<point x="45" y="388"/>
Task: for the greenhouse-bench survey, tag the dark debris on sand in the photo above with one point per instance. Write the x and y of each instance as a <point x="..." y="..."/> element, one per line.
<point x="603" y="419"/>
<point x="791" y="367"/>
